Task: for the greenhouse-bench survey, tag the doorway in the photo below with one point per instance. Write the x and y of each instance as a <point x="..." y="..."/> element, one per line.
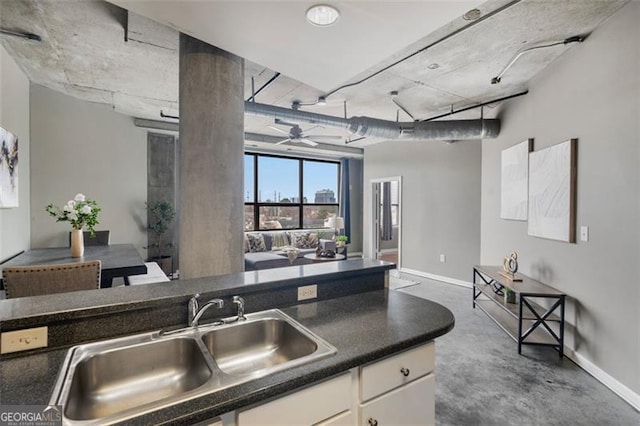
<point x="386" y="219"/>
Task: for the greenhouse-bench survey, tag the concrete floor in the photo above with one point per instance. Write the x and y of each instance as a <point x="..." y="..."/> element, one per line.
<point x="481" y="379"/>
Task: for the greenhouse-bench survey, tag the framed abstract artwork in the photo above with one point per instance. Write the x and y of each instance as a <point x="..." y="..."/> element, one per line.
<point x="514" y="177"/>
<point x="8" y="169"/>
<point x="552" y="192"/>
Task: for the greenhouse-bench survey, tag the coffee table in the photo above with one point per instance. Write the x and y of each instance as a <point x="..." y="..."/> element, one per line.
<point x="314" y="258"/>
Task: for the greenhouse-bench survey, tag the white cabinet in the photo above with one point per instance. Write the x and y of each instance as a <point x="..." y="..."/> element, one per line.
<point x="347" y="418"/>
<point x="305" y="407"/>
<point x="396" y="390"/>
<point x="399" y="389"/>
<point x="396" y="370"/>
<point x="412" y="404"/>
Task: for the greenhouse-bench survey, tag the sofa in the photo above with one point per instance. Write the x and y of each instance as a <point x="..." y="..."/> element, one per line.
<point x="278" y="248"/>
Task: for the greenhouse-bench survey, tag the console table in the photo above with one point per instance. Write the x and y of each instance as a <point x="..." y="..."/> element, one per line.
<point x="527" y="322"/>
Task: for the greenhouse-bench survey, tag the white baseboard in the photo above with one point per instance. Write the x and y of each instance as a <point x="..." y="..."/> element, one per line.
<point x="454" y="281"/>
<point x="605" y="378"/>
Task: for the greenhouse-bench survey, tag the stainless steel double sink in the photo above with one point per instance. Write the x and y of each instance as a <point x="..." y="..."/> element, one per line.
<point x="118" y="379"/>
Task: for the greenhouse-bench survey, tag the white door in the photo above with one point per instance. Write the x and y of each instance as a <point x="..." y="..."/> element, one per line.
<point x="389" y="246"/>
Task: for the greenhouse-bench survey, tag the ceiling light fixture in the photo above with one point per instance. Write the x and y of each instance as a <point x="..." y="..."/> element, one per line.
<point x="472" y="15"/>
<point x="433" y="66"/>
<point x="322" y="15"/>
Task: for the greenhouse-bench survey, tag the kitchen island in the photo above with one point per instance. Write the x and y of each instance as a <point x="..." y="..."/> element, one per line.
<point x="364" y="327"/>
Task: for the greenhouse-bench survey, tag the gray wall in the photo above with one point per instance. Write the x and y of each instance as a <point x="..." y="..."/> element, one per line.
<point x="592" y="93"/>
<point x="82" y="147"/>
<point x="440" y="202"/>
<point x="14" y="117"/>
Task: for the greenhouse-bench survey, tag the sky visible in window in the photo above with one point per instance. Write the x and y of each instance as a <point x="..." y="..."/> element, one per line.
<point x="278" y="178"/>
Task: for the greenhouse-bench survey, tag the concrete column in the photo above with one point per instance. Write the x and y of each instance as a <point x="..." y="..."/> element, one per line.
<point x="211" y="143"/>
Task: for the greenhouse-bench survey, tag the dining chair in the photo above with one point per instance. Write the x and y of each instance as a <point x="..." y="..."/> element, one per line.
<point x="24" y="281"/>
<point x="100" y="239"/>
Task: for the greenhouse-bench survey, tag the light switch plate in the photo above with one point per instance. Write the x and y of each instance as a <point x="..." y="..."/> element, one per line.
<point x="584" y="233"/>
<point x="23" y="340"/>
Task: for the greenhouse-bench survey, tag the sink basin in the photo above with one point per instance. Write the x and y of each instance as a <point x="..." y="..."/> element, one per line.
<point x="116" y="380"/>
<point x="119" y="379"/>
<point x="247" y="348"/>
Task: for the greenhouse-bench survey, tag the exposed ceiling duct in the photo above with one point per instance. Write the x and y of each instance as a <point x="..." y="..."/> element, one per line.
<point x="385" y="129"/>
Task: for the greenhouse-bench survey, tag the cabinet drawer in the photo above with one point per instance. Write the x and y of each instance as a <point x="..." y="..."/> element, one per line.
<point x="304" y="407"/>
<point x="413" y="404"/>
<point x="344" y="419"/>
<point x="396" y="370"/>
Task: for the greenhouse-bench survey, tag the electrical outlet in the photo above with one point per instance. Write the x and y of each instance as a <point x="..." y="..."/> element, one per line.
<point x="443" y="258"/>
<point x="23" y="340"/>
<point x="307" y="292"/>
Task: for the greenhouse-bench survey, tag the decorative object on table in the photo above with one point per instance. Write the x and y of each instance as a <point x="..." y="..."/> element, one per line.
<point x="510" y="267"/>
<point x="325" y="253"/>
<point x="341" y="242"/>
<point x="328" y="245"/>
<point x="161" y="213"/>
<point x="509" y="295"/>
<point x="80" y="212"/>
<point x="552" y="192"/>
<point x="8" y="169"/>
<point x="515" y="181"/>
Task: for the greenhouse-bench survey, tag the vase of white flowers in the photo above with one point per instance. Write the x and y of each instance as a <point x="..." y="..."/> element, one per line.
<point x="80" y="212"/>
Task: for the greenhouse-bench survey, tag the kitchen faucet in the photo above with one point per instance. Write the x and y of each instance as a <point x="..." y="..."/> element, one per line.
<point x="240" y="302"/>
<point x="196" y="312"/>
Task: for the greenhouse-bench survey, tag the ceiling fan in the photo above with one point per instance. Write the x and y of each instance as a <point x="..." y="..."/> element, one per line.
<point x="297" y="135"/>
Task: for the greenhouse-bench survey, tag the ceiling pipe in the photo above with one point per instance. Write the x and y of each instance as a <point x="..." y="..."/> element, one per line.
<point x="385" y="129"/>
<point x="575" y="39"/>
<point x="24" y="35"/>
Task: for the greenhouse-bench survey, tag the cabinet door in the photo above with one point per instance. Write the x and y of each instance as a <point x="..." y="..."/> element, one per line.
<point x="304" y="407"/>
<point x="344" y="419"/>
<point x="412" y="404"/>
<point x="396" y="370"/>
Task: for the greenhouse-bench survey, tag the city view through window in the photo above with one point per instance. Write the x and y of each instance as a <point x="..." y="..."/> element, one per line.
<point x="288" y="193"/>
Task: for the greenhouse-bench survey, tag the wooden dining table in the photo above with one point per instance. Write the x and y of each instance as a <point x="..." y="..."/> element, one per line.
<point x="118" y="260"/>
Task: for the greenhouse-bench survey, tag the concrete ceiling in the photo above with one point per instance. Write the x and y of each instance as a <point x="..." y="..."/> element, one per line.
<point x="100" y="52"/>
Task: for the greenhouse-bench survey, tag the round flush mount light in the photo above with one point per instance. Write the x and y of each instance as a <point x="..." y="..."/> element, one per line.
<point x="472" y="15"/>
<point x="433" y="66"/>
<point x="323" y="15"/>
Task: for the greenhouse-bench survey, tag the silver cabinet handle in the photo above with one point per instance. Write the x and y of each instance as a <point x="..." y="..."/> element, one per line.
<point x="372" y="422"/>
<point x="405" y="371"/>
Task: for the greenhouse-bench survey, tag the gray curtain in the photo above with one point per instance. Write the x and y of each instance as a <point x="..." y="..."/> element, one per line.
<point x="387" y="228"/>
<point x="344" y="210"/>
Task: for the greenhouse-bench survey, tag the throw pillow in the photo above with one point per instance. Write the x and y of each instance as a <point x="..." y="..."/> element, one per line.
<point x="256" y="243"/>
<point x="304" y="240"/>
<point x="246" y="243"/>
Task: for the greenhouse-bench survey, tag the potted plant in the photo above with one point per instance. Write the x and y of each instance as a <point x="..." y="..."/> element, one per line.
<point x="161" y="214"/>
<point x="341" y="242"/>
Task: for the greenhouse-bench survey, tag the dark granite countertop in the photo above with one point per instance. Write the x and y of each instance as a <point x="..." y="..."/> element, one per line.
<point x="27" y="311"/>
<point x="363" y="327"/>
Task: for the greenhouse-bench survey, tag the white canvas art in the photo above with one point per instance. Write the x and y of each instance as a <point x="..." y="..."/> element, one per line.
<point x="515" y="174"/>
<point x="8" y="169"/>
<point x="552" y="174"/>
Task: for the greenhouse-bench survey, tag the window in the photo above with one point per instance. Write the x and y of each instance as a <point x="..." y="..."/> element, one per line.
<point x="288" y="193"/>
